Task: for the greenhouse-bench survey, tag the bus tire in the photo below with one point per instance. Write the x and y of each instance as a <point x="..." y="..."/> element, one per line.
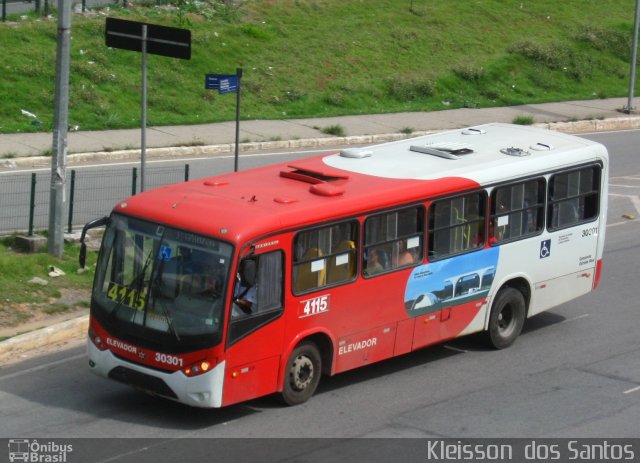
<point x="506" y="319"/>
<point x="302" y="374"/>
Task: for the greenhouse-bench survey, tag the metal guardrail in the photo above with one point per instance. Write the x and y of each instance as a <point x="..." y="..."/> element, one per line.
<point x="24" y="204"/>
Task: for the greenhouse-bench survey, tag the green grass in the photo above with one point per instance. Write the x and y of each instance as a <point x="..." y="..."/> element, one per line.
<point x="311" y="58"/>
<point x="21" y="300"/>
<point x="523" y="120"/>
<point x="335" y="129"/>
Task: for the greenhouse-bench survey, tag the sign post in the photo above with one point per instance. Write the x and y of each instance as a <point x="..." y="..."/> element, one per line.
<point x="61" y="116"/>
<point x="147" y="38"/>
<point x="228" y="83"/>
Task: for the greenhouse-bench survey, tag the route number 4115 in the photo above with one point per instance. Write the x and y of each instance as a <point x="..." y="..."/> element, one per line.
<point x="314" y="306"/>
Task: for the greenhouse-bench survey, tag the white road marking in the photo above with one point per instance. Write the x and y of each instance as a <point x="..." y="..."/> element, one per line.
<point x="635" y="200"/>
<point x="617" y="224"/>
<point x="42" y="367"/>
<point x="629" y="391"/>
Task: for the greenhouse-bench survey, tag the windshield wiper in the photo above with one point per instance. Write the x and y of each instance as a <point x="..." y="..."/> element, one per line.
<point x="167" y="315"/>
<point x="156" y="273"/>
<point x="138" y="281"/>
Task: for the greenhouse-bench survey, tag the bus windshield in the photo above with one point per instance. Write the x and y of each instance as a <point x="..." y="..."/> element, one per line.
<point x="159" y="286"/>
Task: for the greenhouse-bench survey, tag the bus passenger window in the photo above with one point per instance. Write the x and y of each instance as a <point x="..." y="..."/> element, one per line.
<point x="517" y="211"/>
<point x="325" y="256"/>
<point x="393" y="240"/>
<point x="573" y="197"/>
<point x="456" y="225"/>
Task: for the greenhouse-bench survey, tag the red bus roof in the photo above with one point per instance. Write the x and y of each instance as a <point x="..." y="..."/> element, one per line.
<point x="258" y="202"/>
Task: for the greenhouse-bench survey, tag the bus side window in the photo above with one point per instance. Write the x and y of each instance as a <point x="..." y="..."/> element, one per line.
<point x="517" y="211"/>
<point x="457" y="225"/>
<point x="311" y="273"/>
<point x="393" y="240"/>
<point x="325" y="256"/>
<point x="573" y="197"/>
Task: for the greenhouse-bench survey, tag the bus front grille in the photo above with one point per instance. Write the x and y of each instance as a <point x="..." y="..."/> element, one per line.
<point x="142" y="380"/>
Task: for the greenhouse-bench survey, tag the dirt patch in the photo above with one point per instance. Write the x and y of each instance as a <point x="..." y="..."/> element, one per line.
<point x="18" y="318"/>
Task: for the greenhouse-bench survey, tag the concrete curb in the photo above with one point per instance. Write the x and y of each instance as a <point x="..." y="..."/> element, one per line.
<point x="60" y="332"/>
<point x="216" y="150"/>
<point x="584" y="126"/>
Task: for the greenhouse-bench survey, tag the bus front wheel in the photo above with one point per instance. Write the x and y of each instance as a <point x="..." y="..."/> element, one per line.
<point x="302" y="374"/>
<point x="506" y="319"/>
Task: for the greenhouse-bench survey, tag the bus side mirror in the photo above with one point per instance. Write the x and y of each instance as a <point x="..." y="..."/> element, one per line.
<point x="88" y="226"/>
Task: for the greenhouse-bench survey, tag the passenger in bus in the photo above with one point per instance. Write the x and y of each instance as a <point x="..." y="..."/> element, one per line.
<point x="403" y="256"/>
<point x="374" y="262"/>
<point x="244" y="295"/>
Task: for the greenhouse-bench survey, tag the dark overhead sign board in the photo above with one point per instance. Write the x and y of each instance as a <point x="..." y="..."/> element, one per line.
<point x="161" y="40"/>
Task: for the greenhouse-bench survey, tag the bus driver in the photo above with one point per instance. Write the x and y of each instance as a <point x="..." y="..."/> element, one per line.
<point x="244" y="296"/>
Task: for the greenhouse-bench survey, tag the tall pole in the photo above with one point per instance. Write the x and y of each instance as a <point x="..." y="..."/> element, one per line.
<point x="634" y="54"/>
<point x="143" y="141"/>
<point x="61" y="117"/>
<point x="239" y="74"/>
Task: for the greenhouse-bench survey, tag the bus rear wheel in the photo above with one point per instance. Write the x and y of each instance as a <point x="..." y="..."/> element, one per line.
<point x="506" y="319"/>
<point x="302" y="374"/>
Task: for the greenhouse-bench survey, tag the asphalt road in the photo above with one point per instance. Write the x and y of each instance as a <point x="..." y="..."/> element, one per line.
<point x="574" y="372"/>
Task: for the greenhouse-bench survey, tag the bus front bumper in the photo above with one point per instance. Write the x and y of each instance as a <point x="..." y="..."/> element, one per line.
<point x="203" y="391"/>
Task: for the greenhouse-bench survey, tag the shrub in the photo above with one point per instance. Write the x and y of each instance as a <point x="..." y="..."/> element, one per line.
<point x="335" y="129"/>
<point x="410" y="88"/>
<point x="469" y="72"/>
<point x="523" y="120"/>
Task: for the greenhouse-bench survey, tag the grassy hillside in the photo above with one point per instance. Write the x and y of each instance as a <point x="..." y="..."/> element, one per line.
<point x="324" y="57"/>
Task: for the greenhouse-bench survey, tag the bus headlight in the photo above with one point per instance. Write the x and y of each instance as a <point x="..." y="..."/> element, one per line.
<point x="197" y="368"/>
<point x="96" y="340"/>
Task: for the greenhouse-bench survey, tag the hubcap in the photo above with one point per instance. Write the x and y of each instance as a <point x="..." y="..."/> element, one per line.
<point x="301" y="372"/>
<point x="505" y="320"/>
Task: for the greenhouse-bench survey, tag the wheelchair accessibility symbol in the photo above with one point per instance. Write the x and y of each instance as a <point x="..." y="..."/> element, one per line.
<point x="165" y="253"/>
<point x="545" y="249"/>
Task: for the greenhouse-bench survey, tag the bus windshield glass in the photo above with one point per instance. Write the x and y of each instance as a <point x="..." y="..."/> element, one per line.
<point x="160" y="286"/>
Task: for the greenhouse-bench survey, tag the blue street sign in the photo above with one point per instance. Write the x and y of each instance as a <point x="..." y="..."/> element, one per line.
<point x="228" y="85"/>
<point x="224" y="83"/>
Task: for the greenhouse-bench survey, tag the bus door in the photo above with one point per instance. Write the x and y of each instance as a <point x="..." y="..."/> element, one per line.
<point x="255" y="327"/>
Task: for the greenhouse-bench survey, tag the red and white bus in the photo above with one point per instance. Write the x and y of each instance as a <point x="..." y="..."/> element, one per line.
<point x="216" y="291"/>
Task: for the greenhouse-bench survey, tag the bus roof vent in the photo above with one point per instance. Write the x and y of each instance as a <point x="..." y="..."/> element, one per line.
<point x="541" y="147"/>
<point x="355" y="153"/>
<point x="517" y="152"/>
<point x="284" y="200"/>
<point x="310" y="176"/>
<point x="473" y="131"/>
<point x="214" y="183"/>
<point x="326" y="189"/>
<point x="451" y="151"/>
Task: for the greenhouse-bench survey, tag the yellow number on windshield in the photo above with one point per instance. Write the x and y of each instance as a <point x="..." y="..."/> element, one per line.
<point x="131" y="297"/>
